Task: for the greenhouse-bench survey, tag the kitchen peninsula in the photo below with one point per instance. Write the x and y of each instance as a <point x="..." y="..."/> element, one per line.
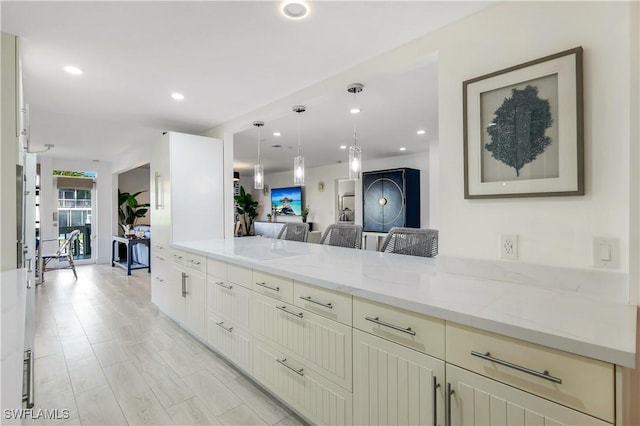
<point x="351" y="336"/>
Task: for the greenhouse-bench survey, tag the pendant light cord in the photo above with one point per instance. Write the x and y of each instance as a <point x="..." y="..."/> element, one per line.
<point x="258" y="144"/>
<point x="299" y="133"/>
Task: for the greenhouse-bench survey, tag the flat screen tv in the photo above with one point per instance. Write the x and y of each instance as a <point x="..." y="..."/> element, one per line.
<point x="287" y="201"/>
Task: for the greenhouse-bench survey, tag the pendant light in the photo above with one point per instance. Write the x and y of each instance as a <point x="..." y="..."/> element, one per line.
<point x="258" y="171"/>
<point x="355" y="152"/>
<point x="298" y="162"/>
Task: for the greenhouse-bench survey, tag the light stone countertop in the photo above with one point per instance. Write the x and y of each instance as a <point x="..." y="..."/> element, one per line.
<point x="563" y="320"/>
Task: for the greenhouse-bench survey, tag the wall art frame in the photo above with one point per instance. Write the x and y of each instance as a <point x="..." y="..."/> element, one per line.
<point x="523" y="129"/>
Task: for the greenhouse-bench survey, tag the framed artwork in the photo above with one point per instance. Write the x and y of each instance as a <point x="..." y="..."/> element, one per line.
<point x="523" y="130"/>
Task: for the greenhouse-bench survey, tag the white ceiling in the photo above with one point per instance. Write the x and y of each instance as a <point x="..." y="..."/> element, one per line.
<point x="227" y="57"/>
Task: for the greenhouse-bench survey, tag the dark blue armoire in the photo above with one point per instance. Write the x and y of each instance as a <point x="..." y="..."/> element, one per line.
<point x="391" y="198"/>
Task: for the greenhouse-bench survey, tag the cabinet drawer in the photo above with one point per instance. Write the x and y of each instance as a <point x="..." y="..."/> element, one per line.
<point x="419" y="332"/>
<point x="584" y="384"/>
<point x="273" y="286"/>
<point x="229" y="300"/>
<point x="315" y="397"/>
<point x="232" y="341"/>
<point x="240" y="275"/>
<point x="328" y="303"/>
<point x="323" y="344"/>
<point x="195" y="262"/>
<point x="217" y="268"/>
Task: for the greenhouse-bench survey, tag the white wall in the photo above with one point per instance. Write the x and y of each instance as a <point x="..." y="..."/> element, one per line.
<point x="136" y="180"/>
<point x="101" y="227"/>
<point x="551" y="230"/>
<point x="322" y="204"/>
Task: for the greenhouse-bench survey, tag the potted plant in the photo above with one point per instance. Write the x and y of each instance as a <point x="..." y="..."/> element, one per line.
<point x="305" y="213"/>
<point x="248" y="208"/>
<point x="129" y="210"/>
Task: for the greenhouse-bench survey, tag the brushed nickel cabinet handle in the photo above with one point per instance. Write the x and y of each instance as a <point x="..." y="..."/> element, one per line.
<point x="543" y="375"/>
<point x="221" y="284"/>
<point x="393" y="326"/>
<point x="221" y="325"/>
<point x="284" y="309"/>
<point x="309" y="299"/>
<point x="284" y="362"/>
<point x="263" y="284"/>
<point x="450" y="392"/>
<point x="436" y="386"/>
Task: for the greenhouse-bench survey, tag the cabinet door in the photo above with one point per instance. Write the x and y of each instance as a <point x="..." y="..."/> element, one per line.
<point x="196" y="302"/>
<point x="229" y="300"/>
<point x="395" y="385"/>
<point x="161" y="192"/>
<point x="317" y="398"/>
<point x="230" y="340"/>
<point x="322" y="343"/>
<point x="477" y="400"/>
<point x="197" y="187"/>
<point x="177" y="298"/>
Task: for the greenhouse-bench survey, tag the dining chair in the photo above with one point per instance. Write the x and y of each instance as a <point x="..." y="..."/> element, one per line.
<point x="342" y="235"/>
<point x="411" y="241"/>
<point x="294" y="232"/>
<point x="64" y="252"/>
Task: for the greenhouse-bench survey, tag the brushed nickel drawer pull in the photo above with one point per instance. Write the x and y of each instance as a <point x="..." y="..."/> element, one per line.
<point x="309" y="299"/>
<point x="435" y="387"/>
<point x="284" y="362"/>
<point x="220" y="324"/>
<point x="263" y="284"/>
<point x="543" y="375"/>
<point x="221" y="284"/>
<point x="284" y="308"/>
<point x="407" y="330"/>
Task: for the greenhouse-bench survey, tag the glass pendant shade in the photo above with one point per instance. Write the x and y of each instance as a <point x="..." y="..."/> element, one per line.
<point x="298" y="170"/>
<point x="355" y="162"/>
<point x="258" y="171"/>
<point x="298" y="162"/>
<point x="258" y="176"/>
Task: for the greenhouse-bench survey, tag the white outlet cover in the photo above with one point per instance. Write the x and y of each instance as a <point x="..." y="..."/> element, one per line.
<point x="509" y="246"/>
<point x="609" y="246"/>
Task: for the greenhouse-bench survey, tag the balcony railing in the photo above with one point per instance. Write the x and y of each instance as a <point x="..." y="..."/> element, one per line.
<point x="81" y="246"/>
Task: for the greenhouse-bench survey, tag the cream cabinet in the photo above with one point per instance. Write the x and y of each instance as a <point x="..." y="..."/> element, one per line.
<point x="395" y="385"/>
<point x="322" y="344"/>
<point x="228" y="312"/>
<point x="161" y="276"/>
<point x="320" y="400"/>
<point x="477" y="400"/>
<point x="187" y="170"/>
<point x="578" y="382"/>
<point x="188" y="294"/>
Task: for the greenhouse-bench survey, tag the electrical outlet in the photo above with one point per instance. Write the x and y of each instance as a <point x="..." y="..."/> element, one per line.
<point x="508" y="246"/>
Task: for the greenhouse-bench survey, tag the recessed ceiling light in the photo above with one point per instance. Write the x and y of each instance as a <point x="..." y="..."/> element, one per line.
<point x="355" y="110"/>
<point x="295" y="10"/>
<point x="177" y="96"/>
<point x="421" y="132"/>
<point x="276" y="133"/>
<point x="343" y="147"/>
<point x="402" y="148"/>
<point x="73" y="70"/>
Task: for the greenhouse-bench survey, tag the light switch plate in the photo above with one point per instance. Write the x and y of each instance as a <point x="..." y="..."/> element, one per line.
<point x="603" y="248"/>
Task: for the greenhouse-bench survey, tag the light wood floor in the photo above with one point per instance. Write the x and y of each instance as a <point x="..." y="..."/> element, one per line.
<point x="105" y="353"/>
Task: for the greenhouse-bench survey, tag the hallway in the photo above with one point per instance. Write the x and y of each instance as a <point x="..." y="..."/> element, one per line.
<point x="107" y="355"/>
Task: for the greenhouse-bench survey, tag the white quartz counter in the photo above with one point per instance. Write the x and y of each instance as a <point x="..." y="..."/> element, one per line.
<point x="559" y="319"/>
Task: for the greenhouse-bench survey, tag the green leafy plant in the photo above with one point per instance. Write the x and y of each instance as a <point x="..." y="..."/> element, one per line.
<point x="247" y="207"/>
<point x="305" y="213"/>
<point x="129" y="210"/>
